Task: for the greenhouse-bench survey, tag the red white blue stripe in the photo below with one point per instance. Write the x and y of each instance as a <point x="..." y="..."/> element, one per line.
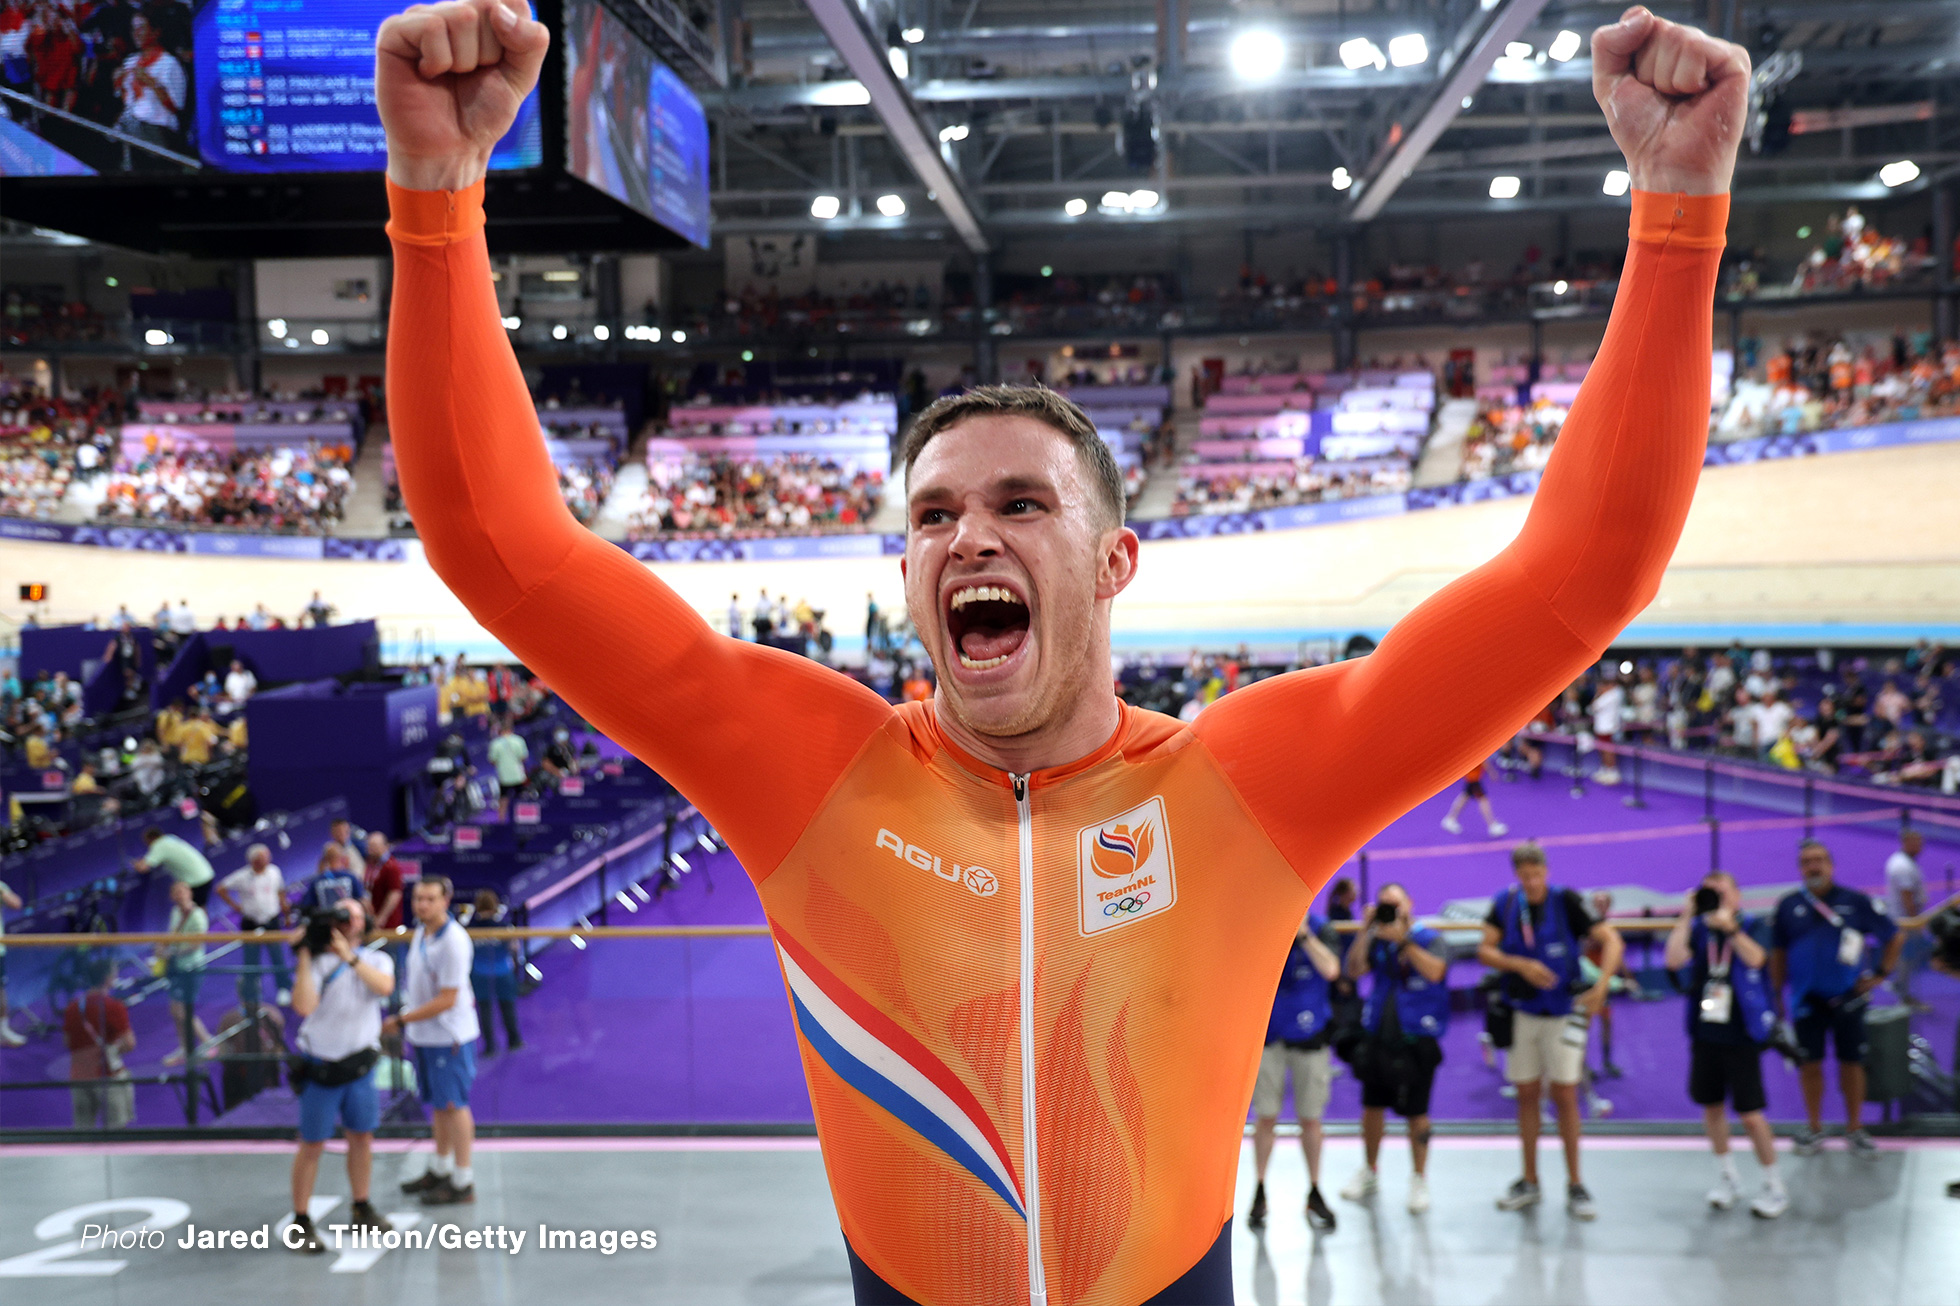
<point x="874" y="1055"/>
<point x="1118" y="843"/>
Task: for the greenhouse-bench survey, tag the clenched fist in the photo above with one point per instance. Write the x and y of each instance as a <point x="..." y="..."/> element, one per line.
<point x="448" y="81"/>
<point x="1676" y="98"/>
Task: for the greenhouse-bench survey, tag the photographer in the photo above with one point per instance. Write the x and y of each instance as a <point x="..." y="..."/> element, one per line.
<point x="440" y="1021"/>
<point x="1819" y="952"/>
<point x="1730" y="1018"/>
<point x="1407" y="1013"/>
<point x="338" y="990"/>
<point x="1297" y="1035"/>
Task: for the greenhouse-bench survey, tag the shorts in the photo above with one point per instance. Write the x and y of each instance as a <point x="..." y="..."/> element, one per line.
<point x="1726" y="1072"/>
<point x="1539" y="1051"/>
<point x="354" y="1105"/>
<point x="185" y="982"/>
<point x="1844" y="1026"/>
<point x="444" y="1074"/>
<point x="1313" y="1079"/>
<point x="1409" y="1098"/>
<point x="1473" y="788"/>
<point x="201" y="893"/>
<point x="104" y="1103"/>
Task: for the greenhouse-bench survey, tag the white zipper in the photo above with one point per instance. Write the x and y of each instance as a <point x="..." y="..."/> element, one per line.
<point x="1037" y="1280"/>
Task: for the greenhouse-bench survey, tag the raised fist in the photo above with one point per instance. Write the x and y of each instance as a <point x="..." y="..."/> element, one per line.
<point x="448" y="81"/>
<point x="1676" y="98"/>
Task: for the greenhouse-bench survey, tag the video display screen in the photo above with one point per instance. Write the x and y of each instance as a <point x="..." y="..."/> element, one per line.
<point x="252" y="86"/>
<point x="633" y="129"/>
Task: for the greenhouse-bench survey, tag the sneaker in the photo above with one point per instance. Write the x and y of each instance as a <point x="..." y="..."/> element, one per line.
<point x="1498" y="829"/>
<point x="1488" y="1046"/>
<point x="284" y="997"/>
<point x="1771" y="1202"/>
<point x="446" y="1193"/>
<point x="1607" y="777"/>
<point x="1319" y="1214"/>
<point x="1599" y="1107"/>
<point x="1722" y="1196"/>
<point x="309" y="1238"/>
<point x="422" y="1183"/>
<point x="1453" y="825"/>
<point x="9" y="1036"/>
<point x="1808" y="1142"/>
<point x="1579" y="1202"/>
<point x="1256" y="1217"/>
<point x="1362" y="1186"/>
<point x="363" y="1215"/>
<point x="1519" y="1195"/>
<point x="1859" y="1143"/>
<point x="1418" y="1195"/>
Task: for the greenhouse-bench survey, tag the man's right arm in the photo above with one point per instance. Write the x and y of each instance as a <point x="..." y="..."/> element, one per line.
<point x="753" y="736"/>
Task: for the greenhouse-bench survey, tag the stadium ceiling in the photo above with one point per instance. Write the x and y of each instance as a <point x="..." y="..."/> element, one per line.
<point x="991" y="116"/>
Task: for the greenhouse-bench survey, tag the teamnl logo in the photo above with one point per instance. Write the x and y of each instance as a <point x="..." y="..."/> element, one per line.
<point x="1125" y="868"/>
<point x="981" y="881"/>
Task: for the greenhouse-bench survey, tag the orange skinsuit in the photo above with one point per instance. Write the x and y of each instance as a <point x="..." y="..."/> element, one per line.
<point x="1137" y="903"/>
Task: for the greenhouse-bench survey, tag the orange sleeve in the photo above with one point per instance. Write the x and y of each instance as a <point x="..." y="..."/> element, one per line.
<point x="1326" y="758"/>
<point x="753" y="736"/>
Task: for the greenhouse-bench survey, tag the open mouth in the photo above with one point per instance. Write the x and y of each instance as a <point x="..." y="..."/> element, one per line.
<point x="988" y="625"/>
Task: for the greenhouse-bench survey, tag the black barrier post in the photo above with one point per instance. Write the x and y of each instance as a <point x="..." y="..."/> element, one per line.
<point x="1809" y="805"/>
<point x="605" y="899"/>
<point x="1637" y="799"/>
<point x="1366" y="897"/>
<point x="1714" y="844"/>
<point x="1708" y="791"/>
<point x="191" y="1076"/>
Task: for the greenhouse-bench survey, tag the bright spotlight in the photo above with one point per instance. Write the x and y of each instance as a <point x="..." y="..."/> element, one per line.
<point x="1076" y="208"/>
<point x="1115" y="199"/>
<point x="1145" y="199"/>
<point x="839" y="94"/>
<point x="1564" y="45"/>
<point x="1616" y="182"/>
<point x="1517" y="50"/>
<point x="891" y="206"/>
<point x="319" y="336"/>
<point x="602" y="332"/>
<point x="680" y="337"/>
<point x="653" y="334"/>
<point x="824" y="207"/>
<point x="1408" y="50"/>
<point x="154" y="336"/>
<point x="512" y="323"/>
<point x="1626" y="668"/>
<point x="292" y="342"/>
<point x="277" y="326"/>
<point x="748" y="355"/>
<point x="900" y="61"/>
<point x="913" y="35"/>
<point x="1504" y="188"/>
<point x="1898" y="174"/>
<point x="1360" y="52"/>
<point x="957" y="132"/>
<point x="1560" y="287"/>
<point x="1342" y="179"/>
<point x="1256" y="55"/>
<point x="558" y="332"/>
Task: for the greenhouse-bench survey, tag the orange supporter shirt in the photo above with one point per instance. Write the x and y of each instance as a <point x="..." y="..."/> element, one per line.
<point x="1030" y="1008"/>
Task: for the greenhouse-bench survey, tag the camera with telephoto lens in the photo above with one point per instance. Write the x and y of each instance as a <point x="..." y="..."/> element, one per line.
<point x="320" y="925"/>
<point x="1385" y="913"/>
<point x="1707" y="899"/>
<point x="1945" y="929"/>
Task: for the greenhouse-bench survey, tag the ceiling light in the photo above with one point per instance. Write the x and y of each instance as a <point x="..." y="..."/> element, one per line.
<point x="558" y="331"/>
<point x="110" y="281"/>
<point x="1407" y="50"/>
<point x="1076" y="208"/>
<point x="1504" y="188"/>
<point x="320" y="336"/>
<point x="913" y="35"/>
<point x="292" y="342"/>
<point x="1115" y="199"/>
<point x="680" y="337"/>
<point x="1256" y="55"/>
<point x="839" y="94"/>
<point x="155" y="336"/>
<point x="957" y="132"/>
<point x="1145" y="199"/>
<point x="512" y="323"/>
<point x="602" y="332"/>
<point x="900" y="61"/>
<point x="1469" y="100"/>
<point x="824" y="207"/>
<point x="1360" y="52"/>
<point x="561" y="274"/>
<point x="748" y="355"/>
<point x="1564" y="45"/>
<point x="1560" y="287"/>
<point x="1342" y="179"/>
<point x="891" y="206"/>
<point x="277" y="326"/>
<point x="1898" y="174"/>
<point x="1047" y="269"/>
<point x="1617" y="182"/>
<point x="1517" y="50"/>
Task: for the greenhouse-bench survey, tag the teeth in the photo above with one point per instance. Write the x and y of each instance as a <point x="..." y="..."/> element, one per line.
<point x="971" y="665"/>
<point x="983" y="594"/>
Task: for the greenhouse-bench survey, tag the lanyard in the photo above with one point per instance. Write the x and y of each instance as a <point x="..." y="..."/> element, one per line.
<point x="422" y="950"/>
<point x="1524" y="920"/>
<point x="1823" y="909"/>
<point x="1718" y="961"/>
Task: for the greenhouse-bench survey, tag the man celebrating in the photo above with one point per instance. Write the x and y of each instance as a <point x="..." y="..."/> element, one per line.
<point x="1029" y="934"/>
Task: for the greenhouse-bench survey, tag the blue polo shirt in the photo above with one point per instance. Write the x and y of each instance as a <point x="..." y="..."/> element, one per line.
<point x="1811" y="937"/>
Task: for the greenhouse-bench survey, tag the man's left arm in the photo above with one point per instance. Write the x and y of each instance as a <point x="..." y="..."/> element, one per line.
<point x="1325" y="758"/>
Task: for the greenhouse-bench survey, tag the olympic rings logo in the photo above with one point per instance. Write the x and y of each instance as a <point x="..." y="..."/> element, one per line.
<point x="1125" y="906"/>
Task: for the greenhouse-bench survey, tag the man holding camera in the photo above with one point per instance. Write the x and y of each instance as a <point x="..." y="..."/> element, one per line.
<point x="1818" y="950"/>
<point x="1730" y="1018"/>
<point x="1533" y="935"/>
<point x="338" y="991"/>
<point x="1297" y="1037"/>
<point x="1406" y="1015"/>
<point x="441" y="1023"/>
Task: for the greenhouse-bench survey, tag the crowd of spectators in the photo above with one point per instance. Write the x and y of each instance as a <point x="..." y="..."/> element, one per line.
<point x="1307" y="482"/>
<point x="870" y="305"/>
<point x="31" y="315"/>
<point x="122" y="65"/>
<point x="280" y="489"/>
<point x="1510" y="437"/>
<point x="719" y="495"/>
<point x="1851" y="254"/>
<point x="49" y="443"/>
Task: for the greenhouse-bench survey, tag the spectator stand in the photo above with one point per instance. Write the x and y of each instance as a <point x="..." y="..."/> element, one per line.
<point x="1131" y="420"/>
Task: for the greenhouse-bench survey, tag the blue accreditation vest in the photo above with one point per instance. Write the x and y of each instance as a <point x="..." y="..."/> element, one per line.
<point x="1551" y="943"/>
<point x="1421" y="1008"/>
<point x="1750" y="984"/>
<point x="1302" y="1009"/>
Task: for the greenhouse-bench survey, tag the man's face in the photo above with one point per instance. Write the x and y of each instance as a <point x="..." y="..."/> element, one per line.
<point x="1010" y="563"/>
<point x="431" y="906"/>
<point x="1912" y="842"/>
<point x="1814" y="864"/>
<point x="1394" y="896"/>
<point x="338" y="831"/>
<point x="355" y="926"/>
<point x="1532" y="878"/>
<point x="260" y="859"/>
<point x="377" y="847"/>
<point x="1725" y="886"/>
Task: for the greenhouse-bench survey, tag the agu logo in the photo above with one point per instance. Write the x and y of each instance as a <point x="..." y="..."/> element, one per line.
<point x="1125" y="872"/>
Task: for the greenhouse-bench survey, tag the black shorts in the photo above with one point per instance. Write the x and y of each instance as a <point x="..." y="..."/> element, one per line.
<point x="1473" y="788"/>
<point x="1727" y="1072"/>
<point x="1845" y="1026"/>
<point x="201" y="893"/>
<point x="1408" y="1097"/>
